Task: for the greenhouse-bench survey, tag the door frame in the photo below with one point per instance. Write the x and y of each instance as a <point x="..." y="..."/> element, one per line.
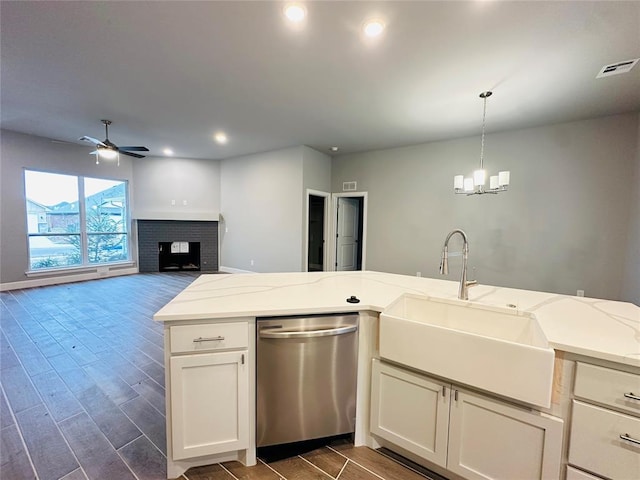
<point x="326" y="227"/>
<point x="334" y="227"/>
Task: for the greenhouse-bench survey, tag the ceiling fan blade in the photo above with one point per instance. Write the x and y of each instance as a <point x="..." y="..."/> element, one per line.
<point x="131" y="154"/>
<point x="95" y="141"/>
<point x="135" y="149"/>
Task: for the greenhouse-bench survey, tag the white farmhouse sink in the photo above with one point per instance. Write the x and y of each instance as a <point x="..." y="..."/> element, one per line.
<point x="491" y="348"/>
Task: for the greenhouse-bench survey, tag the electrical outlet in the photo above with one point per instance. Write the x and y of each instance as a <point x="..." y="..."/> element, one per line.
<point x="418" y="274"/>
<point x="252" y="263"/>
<point x="184" y="202"/>
<point x="173" y="203"/>
<point x="580" y="293"/>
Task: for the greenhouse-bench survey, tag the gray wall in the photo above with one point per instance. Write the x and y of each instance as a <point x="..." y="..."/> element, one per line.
<point x="563" y="226"/>
<point x="162" y="181"/>
<point x="261" y="210"/>
<point x="316" y="173"/>
<point x="19" y="151"/>
<point x="631" y="284"/>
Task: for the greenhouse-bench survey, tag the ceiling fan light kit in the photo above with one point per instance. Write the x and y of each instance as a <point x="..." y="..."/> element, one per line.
<point x="107" y="150"/>
<point x="476" y="183"/>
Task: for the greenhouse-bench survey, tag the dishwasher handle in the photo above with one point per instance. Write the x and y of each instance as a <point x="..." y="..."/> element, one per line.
<point x="326" y="332"/>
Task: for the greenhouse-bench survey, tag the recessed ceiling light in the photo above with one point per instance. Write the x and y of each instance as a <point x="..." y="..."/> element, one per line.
<point x="334" y="149"/>
<point x="167" y="151"/>
<point x="373" y="28"/>
<point x="220" y="137"/>
<point x="295" y="12"/>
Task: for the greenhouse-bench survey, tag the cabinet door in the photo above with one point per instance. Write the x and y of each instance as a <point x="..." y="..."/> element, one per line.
<point x="491" y="439"/>
<point x="410" y="411"/>
<point x="209" y="403"/>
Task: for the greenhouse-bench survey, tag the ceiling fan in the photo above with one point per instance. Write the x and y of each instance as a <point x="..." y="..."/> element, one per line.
<point x="109" y="150"/>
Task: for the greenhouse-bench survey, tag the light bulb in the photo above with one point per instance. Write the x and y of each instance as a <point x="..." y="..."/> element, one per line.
<point x="503" y="178"/>
<point x="479" y="177"/>
<point x="107" y="153"/>
<point x="468" y="184"/>
<point x="295" y="12"/>
<point x="220" y="137"/>
<point x="373" y="28"/>
<point x="458" y="182"/>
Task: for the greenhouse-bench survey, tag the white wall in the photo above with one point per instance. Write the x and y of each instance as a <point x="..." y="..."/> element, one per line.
<point x="563" y="226"/>
<point x="163" y="185"/>
<point x="260" y="210"/>
<point x="19" y="151"/>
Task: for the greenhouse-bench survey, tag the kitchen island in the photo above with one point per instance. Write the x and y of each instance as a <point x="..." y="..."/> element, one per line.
<point x="585" y="333"/>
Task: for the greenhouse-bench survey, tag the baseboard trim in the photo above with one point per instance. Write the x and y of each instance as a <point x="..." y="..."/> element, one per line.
<point x="233" y="270"/>
<point x="60" y="279"/>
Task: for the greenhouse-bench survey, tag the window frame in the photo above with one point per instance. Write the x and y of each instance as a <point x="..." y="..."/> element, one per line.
<point x="82" y="234"/>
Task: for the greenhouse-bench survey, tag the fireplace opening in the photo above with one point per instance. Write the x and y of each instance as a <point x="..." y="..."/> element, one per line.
<point x="178" y="256"/>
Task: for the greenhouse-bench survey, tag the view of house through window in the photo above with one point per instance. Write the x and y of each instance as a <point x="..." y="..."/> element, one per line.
<point x="64" y="231"/>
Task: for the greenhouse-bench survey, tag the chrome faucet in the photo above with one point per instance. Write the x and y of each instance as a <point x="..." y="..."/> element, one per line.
<point x="463" y="291"/>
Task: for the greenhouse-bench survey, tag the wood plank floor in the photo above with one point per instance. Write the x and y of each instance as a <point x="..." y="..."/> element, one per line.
<point x="82" y="391"/>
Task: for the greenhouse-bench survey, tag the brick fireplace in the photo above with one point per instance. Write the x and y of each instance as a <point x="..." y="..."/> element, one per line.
<point x="153" y="234"/>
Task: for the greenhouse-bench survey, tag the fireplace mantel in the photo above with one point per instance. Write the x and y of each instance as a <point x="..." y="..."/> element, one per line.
<point x="178" y="215"/>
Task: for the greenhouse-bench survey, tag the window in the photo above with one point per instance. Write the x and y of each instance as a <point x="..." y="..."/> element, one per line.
<point x="64" y="231"/>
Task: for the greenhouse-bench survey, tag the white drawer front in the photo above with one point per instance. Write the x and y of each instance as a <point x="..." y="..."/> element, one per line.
<point x="608" y="387"/>
<point x="575" y="474"/>
<point x="214" y="336"/>
<point x="595" y="442"/>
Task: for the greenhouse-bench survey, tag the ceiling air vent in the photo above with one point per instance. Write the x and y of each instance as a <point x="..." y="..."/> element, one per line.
<point x="617" y="68"/>
<point x="349" y="186"/>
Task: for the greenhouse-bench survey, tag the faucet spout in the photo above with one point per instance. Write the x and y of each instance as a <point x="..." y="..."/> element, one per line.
<point x="463" y="290"/>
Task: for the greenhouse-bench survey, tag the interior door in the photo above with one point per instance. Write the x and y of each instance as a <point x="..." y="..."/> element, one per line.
<point x="347" y="234"/>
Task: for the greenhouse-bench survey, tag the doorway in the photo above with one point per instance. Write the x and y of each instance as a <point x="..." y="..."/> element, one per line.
<point x="350" y="229"/>
<point x="317" y="228"/>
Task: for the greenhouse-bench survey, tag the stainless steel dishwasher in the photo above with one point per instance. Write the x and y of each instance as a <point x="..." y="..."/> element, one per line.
<point x="306" y="377"/>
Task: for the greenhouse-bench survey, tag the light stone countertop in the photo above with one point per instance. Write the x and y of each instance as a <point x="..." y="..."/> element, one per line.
<point x="602" y="329"/>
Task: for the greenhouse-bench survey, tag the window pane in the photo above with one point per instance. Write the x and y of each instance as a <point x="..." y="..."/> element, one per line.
<point x="107" y="247"/>
<point x="52" y="202"/>
<point x="105" y="202"/>
<point x="54" y="252"/>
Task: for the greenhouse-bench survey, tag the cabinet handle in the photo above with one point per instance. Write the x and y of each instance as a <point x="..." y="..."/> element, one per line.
<point x="631" y="396"/>
<point x="444" y="391"/>
<point x="627" y="438"/>
<point x="208" y="339"/>
<point x="242" y="359"/>
<point x="455" y="395"/>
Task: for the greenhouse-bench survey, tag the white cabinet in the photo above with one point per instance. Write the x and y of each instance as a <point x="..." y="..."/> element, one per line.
<point x="492" y="439"/>
<point x="209" y="378"/>
<point x="605" y="422"/>
<point x="410" y="410"/>
<point x="209" y="403"/>
<point x="472" y="435"/>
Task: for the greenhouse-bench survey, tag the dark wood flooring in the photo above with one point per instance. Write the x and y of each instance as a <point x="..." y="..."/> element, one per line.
<point x="82" y="391"/>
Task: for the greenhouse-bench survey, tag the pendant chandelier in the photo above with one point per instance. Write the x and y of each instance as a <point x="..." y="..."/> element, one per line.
<point x="475" y="184"/>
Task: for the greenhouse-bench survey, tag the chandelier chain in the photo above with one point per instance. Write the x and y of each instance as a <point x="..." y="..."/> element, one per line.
<point x="484" y="115"/>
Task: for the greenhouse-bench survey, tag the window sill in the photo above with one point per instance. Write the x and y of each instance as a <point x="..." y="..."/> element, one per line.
<point x="80" y="269"/>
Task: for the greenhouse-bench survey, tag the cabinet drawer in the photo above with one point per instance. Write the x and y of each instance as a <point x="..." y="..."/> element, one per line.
<point x="575" y="474"/>
<point x="214" y="336"/>
<point x="595" y="442"/>
<point x="608" y="387"/>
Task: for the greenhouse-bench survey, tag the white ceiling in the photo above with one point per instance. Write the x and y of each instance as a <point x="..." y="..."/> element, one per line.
<point x="173" y="73"/>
